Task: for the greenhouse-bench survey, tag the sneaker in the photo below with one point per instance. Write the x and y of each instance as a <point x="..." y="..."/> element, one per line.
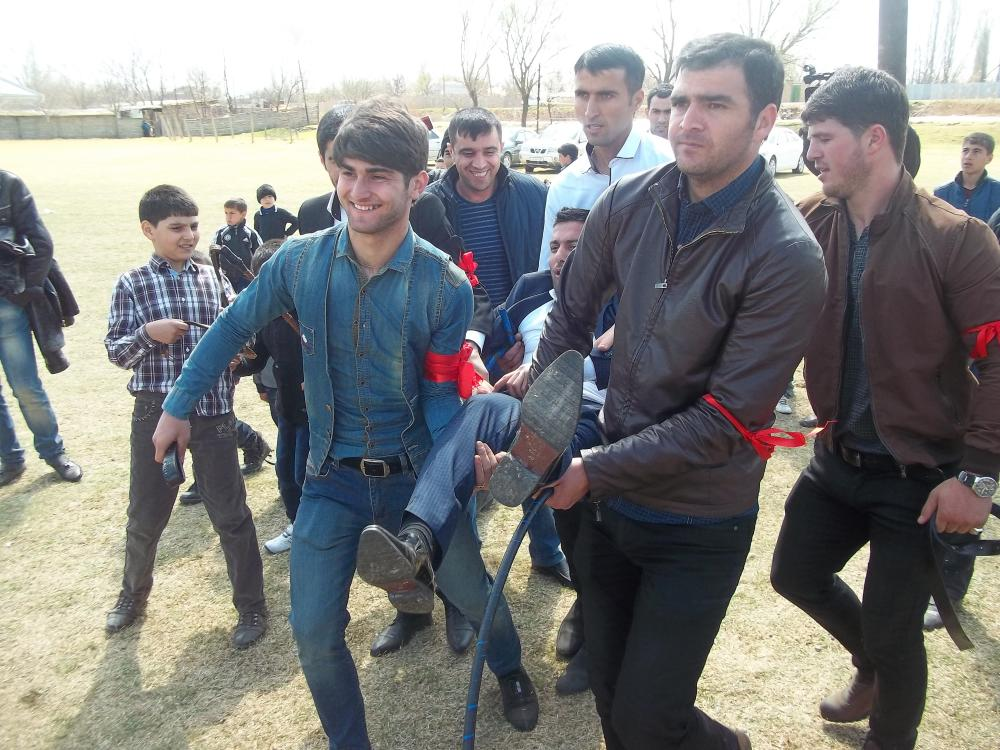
<point x="126" y="611"/>
<point x="10" y="473"/>
<point x="249" y="628"/>
<point x="280" y="543"/>
<point x="66" y="469"/>
<point x="783" y="406"/>
<point x="932" y="618"/>
<point x="810" y="421"/>
<point x="255" y="455"/>
<point x="520" y="702"/>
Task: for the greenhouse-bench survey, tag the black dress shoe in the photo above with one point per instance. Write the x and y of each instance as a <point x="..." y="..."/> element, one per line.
<point x="574" y="679"/>
<point x="520" y="702"/>
<point x="190" y="496"/>
<point x="66" y="469"/>
<point x="126" y="611"/>
<point x="458" y="628"/>
<point x="254" y="455"/>
<point x="558" y="572"/>
<point x="569" y="639"/>
<point x="398" y="633"/>
<point x="400" y="565"/>
<point x="249" y="629"/>
<point x="10" y="473"/>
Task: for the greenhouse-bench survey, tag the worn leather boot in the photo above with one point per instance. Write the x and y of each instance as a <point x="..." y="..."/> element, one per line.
<point x="853" y="703"/>
<point x="401" y="565"/>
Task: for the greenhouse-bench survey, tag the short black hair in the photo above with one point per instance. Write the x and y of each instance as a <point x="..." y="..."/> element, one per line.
<point x="570" y="150"/>
<point x="262" y="253"/>
<point x="859" y="98"/>
<point x="610" y="56"/>
<point x="329" y="125"/>
<point x="382" y="132"/>
<point x="238" y="203"/>
<point x="662" y="90"/>
<point x="265" y="190"/>
<point x="985" y="140"/>
<point x="163" y="201"/>
<point x="571" y="214"/>
<point x="763" y="70"/>
<point x="473" y="122"/>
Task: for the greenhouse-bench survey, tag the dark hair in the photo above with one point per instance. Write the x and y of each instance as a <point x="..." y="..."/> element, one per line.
<point x="473" y="122"/>
<point x="981" y="139"/>
<point x="859" y="98"/>
<point x="329" y="125"/>
<point x="662" y="90"/>
<point x="610" y="56"/>
<point x="382" y="132"/>
<point x="570" y="150"/>
<point x="762" y="68"/>
<point x="262" y="253"/>
<point x="163" y="201"/>
<point x="571" y="214"/>
<point x="445" y="142"/>
<point x="238" y="203"/>
<point x="265" y="190"/>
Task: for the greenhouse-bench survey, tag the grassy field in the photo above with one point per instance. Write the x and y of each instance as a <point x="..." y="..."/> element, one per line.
<point x="176" y="683"/>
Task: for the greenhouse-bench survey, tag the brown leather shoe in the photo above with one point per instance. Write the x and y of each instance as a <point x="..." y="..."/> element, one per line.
<point x="742" y="739"/>
<point x="853" y="703"/>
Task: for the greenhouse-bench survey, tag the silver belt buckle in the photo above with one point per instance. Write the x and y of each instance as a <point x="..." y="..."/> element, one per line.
<point x="374" y="462"/>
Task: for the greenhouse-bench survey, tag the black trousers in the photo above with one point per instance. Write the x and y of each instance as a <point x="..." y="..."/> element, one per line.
<point x="832" y="512"/>
<point x="654" y="596"/>
<point x="151" y="500"/>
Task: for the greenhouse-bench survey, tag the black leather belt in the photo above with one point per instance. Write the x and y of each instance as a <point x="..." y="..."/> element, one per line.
<point x="970" y="549"/>
<point x="378" y="468"/>
<point x="880" y="462"/>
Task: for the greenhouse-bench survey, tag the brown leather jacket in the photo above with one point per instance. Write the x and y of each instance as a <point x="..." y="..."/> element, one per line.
<point x="729" y="313"/>
<point x="932" y="274"/>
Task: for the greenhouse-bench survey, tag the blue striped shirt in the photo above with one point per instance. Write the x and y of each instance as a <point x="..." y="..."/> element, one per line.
<point x="481" y="234"/>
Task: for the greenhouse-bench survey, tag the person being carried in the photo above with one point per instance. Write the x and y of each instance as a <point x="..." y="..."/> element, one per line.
<point x="159" y="312"/>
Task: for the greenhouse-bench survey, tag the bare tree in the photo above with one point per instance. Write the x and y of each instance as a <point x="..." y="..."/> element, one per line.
<point x="474" y="56"/>
<point x="200" y="88"/>
<point x="665" y="31"/>
<point x="225" y="87"/>
<point x="33" y="75"/>
<point x="763" y="18"/>
<point x="397" y="85"/>
<point x="281" y="90"/>
<point x="302" y="89"/>
<point x="527" y="27"/>
<point x="935" y="58"/>
<point x="113" y="93"/>
<point x="424" y="83"/>
<point x="980" y="63"/>
<point x="358" y="89"/>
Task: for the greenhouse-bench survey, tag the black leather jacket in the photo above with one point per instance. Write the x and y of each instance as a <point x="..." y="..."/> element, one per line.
<point x="729" y="313"/>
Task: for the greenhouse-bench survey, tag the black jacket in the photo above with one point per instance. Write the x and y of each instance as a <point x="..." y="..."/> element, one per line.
<point x="47" y="298"/>
<point x="275" y="225"/>
<point x="243" y="241"/>
<point x="278" y="342"/>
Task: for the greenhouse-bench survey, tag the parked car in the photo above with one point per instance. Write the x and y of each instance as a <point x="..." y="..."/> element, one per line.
<point x="782" y="151"/>
<point x="541" y="152"/>
<point x="511" y="154"/>
<point x="433" y="146"/>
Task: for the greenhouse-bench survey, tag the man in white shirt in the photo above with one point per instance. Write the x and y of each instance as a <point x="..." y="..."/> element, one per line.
<point x="608" y="93"/>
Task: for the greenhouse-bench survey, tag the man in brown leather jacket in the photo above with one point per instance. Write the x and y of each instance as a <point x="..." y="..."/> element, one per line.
<point x="720" y="283"/>
<point x="914" y="288"/>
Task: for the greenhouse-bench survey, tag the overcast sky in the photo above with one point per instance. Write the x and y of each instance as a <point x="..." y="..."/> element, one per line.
<point x="392" y="37"/>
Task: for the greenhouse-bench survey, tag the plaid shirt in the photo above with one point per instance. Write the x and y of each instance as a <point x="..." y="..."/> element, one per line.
<point x="152" y="292"/>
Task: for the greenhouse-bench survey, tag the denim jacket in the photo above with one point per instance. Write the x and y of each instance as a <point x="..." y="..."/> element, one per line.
<point x="436" y="304"/>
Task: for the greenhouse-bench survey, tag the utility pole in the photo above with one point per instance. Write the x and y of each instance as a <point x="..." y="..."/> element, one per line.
<point x="892" y="19"/>
<point x="538" y="97"/>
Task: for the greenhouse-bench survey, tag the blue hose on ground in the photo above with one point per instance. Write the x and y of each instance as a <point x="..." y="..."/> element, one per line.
<point x="479" y="662"/>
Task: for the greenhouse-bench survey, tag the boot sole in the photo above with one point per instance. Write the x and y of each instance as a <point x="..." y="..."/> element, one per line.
<point x="381" y="564"/>
<point x="550" y="411"/>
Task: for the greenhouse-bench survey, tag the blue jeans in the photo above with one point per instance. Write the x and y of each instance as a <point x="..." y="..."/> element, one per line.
<point x="336" y="505"/>
<point x="17" y="355"/>
<point x="290" y="454"/>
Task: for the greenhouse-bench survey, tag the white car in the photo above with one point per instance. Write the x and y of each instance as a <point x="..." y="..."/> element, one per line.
<point x="782" y="151"/>
<point x="541" y="152"/>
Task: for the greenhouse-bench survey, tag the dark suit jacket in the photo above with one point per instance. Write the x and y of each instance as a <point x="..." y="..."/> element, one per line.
<point x="530" y="292"/>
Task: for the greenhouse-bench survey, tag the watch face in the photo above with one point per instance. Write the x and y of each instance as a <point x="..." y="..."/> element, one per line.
<point x="984" y="486"/>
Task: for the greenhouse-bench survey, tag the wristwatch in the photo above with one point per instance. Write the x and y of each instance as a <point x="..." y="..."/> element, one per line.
<point x="982" y="485"/>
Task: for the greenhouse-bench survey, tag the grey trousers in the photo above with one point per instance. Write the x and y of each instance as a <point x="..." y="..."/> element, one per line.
<point x="151" y="500"/>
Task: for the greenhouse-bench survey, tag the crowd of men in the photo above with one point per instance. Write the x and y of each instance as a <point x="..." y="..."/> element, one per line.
<point x="692" y="287"/>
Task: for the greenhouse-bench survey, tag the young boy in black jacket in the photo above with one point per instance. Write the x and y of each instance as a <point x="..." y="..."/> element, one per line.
<point x="272" y="222"/>
<point x="279" y="343"/>
<point x="238" y="237"/>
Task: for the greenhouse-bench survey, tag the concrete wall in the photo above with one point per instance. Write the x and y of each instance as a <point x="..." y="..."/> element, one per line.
<point x="989" y="90"/>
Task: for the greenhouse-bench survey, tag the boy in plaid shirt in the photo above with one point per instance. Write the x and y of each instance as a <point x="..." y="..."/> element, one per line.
<point x="159" y="311"/>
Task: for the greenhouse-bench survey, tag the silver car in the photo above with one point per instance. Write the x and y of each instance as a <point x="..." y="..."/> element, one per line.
<point x="542" y="152"/>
